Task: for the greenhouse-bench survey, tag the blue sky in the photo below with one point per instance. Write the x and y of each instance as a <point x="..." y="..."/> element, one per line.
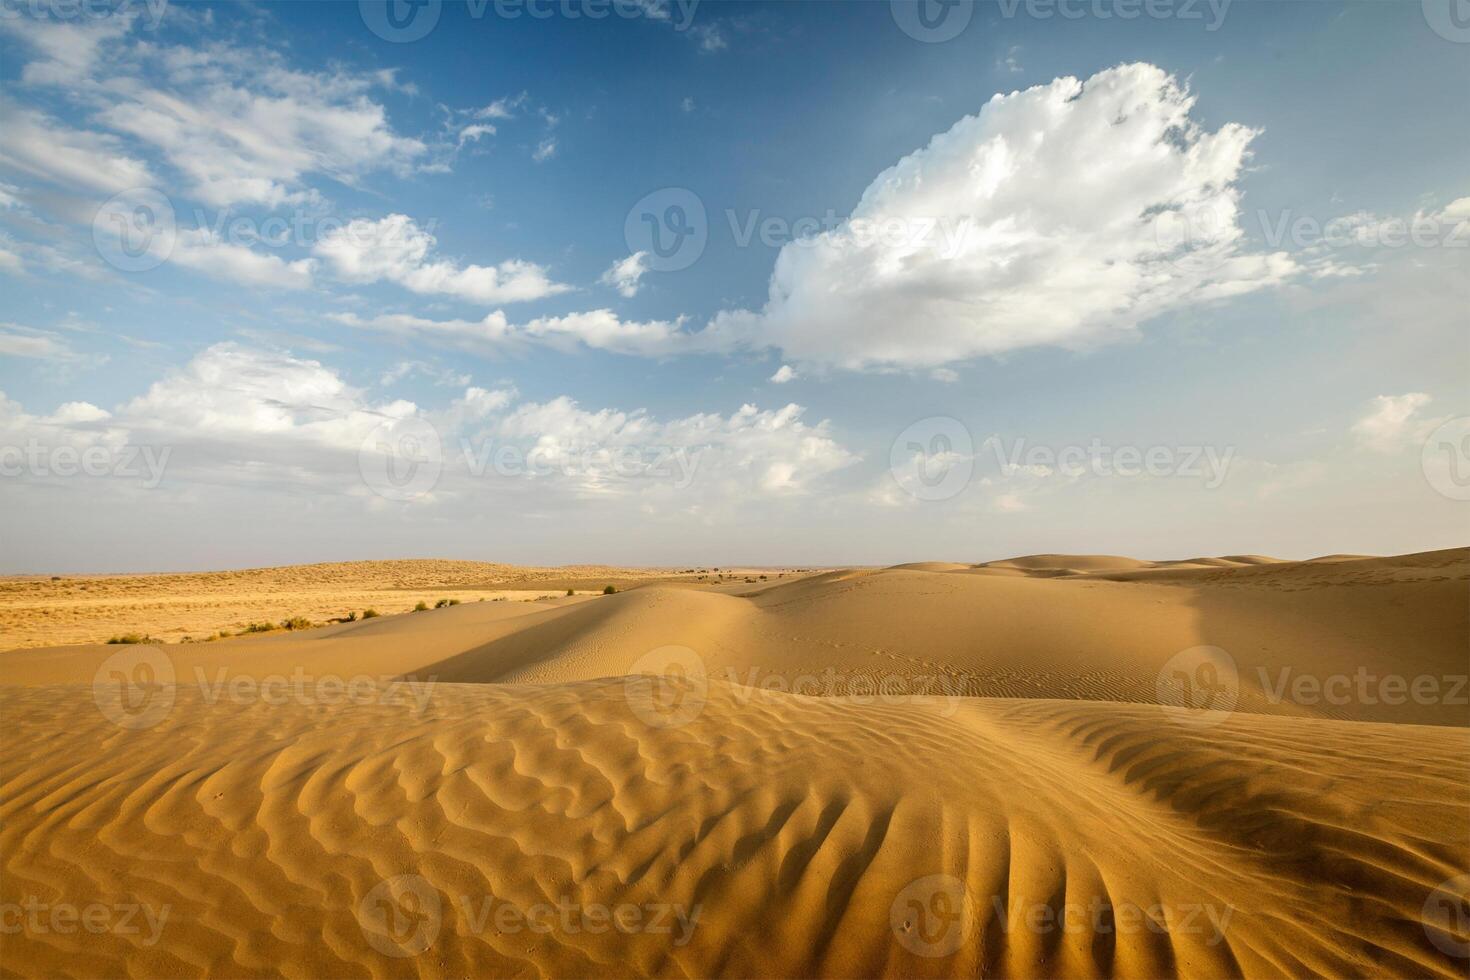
<point x="1059" y="227"/>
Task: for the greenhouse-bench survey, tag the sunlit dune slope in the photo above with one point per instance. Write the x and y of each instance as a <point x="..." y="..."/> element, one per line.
<point x="791" y="836"/>
<point x="929" y="770"/>
<point x="1104" y="635"/>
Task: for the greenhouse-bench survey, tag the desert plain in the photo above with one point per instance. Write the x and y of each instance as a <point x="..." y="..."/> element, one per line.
<point x="1057" y="765"/>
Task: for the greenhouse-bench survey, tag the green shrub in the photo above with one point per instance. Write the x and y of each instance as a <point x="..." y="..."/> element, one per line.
<point x="259" y="628"/>
<point x="296" y="623"/>
<point x="446" y="602"/>
<point x="370" y="614"/>
<point x="571" y="591"/>
<point x="609" y="590"/>
<point x="350" y="618"/>
<point x="133" y="638"/>
<point x="422" y="606"/>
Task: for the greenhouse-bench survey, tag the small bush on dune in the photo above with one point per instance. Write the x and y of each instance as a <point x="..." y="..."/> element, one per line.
<point x="446" y="602"/>
<point x="421" y="607"/>
<point x="370" y="614"/>
<point x="350" y="618"/>
<point x="296" y="623"/>
<point x="609" y="590"/>
<point x="571" y="591"/>
<point x="259" y="628"/>
<point x="133" y="638"/>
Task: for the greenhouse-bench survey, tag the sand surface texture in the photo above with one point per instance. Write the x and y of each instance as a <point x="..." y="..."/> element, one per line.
<point x="1050" y="766"/>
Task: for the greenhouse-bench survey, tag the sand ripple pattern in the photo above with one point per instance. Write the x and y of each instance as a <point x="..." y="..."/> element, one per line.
<point x="793" y="825"/>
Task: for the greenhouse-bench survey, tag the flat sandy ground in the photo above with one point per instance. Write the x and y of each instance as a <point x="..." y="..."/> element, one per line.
<point x="48" y="610"/>
<point x="1052" y="766"/>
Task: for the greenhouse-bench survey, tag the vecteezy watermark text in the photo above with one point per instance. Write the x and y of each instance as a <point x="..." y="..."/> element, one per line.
<point x="299" y="687"/>
<point x="1097" y="458"/>
<point x="74" y="10"/>
<point x="143" y="463"/>
<point x="402" y="916"/>
<point x="403" y="21"/>
<point x="31" y="916"/>
<point x="403" y="459"/>
<point x="937" y="21"/>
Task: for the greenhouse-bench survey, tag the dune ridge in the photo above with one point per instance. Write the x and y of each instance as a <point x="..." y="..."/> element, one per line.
<point x="1020" y="799"/>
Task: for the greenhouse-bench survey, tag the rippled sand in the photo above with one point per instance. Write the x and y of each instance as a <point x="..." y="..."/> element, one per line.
<point x="933" y="770"/>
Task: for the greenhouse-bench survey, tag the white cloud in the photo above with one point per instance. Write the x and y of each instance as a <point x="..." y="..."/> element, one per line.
<point x="19" y="341"/>
<point x="238" y="145"/>
<point x="1034" y="222"/>
<point x="1390" y="422"/>
<point x="502" y="108"/>
<point x="594" y="329"/>
<point x="624" y="274"/>
<point x="545" y="150"/>
<point x="783" y="374"/>
<point x="233" y="389"/>
<point x="40" y="146"/>
<point x="709" y="36"/>
<point x="238" y="124"/>
<point x="473" y="132"/>
<point x="10" y="261"/>
<point x="1009" y="503"/>
<point x="202" y="250"/>
<point x="750" y="451"/>
<point x="395" y="249"/>
<point x="69" y="48"/>
<point x="687" y="103"/>
<point x="237" y="415"/>
<point x="438" y="375"/>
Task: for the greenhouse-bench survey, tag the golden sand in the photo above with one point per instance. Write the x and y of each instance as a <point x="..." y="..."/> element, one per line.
<point x="930" y="770"/>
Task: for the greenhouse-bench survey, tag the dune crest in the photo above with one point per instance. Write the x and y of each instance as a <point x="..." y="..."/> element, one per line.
<point x="1097" y="770"/>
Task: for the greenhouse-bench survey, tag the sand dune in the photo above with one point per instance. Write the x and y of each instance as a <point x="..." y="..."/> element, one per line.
<point x="916" y="771"/>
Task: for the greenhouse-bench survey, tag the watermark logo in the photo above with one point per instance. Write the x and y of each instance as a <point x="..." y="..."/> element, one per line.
<point x="932" y="916"/>
<point x="669" y="224"/>
<point x="135" y="230"/>
<point x="1199" y="686"/>
<point x="1446" y="917"/>
<point x="1450" y="19"/>
<point x="1196" y="238"/>
<point x="932" y="21"/>
<point x="934" y="458"/>
<point x="401" y="916"/>
<point x="1445" y="458"/>
<point x="400" y="21"/>
<point x="667" y="687"/>
<point x="401" y="459"/>
<point x="134" y="688"/>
